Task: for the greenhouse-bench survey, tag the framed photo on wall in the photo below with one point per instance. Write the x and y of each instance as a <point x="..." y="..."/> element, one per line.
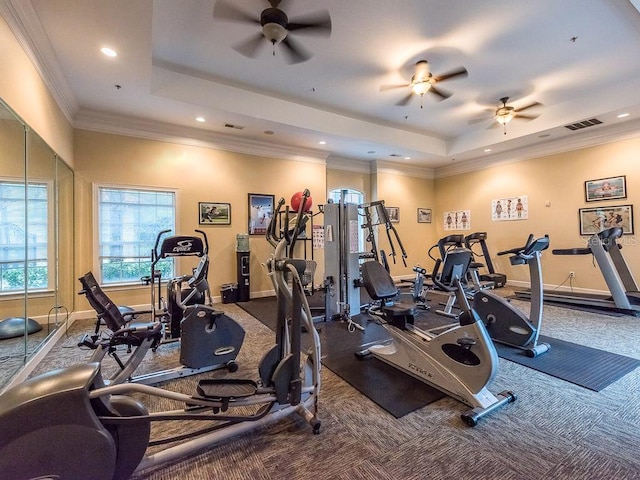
<point x="394" y="214"/>
<point x="594" y="220"/>
<point x="605" y="188"/>
<point x="214" y="213"/>
<point x="260" y="212"/>
<point x="424" y="215"/>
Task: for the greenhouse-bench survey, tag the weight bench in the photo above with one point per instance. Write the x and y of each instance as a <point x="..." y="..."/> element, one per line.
<point x="381" y="287"/>
<point x="123" y="328"/>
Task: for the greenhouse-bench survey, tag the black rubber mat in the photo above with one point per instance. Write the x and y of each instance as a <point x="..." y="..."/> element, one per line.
<point x="393" y="390"/>
<point x="585" y="366"/>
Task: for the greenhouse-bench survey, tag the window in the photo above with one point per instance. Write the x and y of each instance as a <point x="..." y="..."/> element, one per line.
<point x="24" y="246"/>
<point x="351" y="196"/>
<point x="128" y="221"/>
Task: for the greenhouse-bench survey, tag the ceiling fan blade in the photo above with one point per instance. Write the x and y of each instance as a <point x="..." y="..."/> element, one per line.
<point x="534" y="104"/>
<point x="318" y="23"/>
<point x="405" y="100"/>
<point x="225" y="11"/>
<point x="384" y="88"/>
<point x="294" y="50"/>
<point x="475" y="121"/>
<point x="440" y="93"/>
<point x="250" y="47"/>
<point x="526" y="117"/>
<point x="460" y="72"/>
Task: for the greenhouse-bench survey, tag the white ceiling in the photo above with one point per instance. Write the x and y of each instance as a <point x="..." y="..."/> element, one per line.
<point x="177" y="62"/>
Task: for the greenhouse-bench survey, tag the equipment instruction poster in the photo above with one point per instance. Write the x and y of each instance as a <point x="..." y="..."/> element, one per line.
<point x="457" y="220"/>
<point x="510" y="208"/>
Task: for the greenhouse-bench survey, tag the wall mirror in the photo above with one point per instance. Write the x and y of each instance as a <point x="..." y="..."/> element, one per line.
<point x="36" y="243"/>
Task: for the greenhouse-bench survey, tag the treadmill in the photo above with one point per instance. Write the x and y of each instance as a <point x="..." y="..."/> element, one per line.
<point x="604" y="246"/>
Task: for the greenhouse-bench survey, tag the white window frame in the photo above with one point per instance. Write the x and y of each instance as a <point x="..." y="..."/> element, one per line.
<point x="48" y="184"/>
<point x="97" y="267"/>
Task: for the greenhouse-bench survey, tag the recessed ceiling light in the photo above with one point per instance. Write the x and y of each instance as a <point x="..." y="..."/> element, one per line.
<point x="407" y="158"/>
<point x="322" y="142"/>
<point x="109" y="52"/>
<point x="622" y="115"/>
<point x="200" y="119"/>
<point x="487" y="150"/>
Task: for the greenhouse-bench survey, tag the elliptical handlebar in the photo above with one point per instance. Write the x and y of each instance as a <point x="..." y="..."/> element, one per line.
<point x="289" y="234"/>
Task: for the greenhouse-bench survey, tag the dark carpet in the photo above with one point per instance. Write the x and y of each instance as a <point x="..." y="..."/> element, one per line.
<point x="584" y="366"/>
<point x="395" y="391"/>
<point x="587" y="367"/>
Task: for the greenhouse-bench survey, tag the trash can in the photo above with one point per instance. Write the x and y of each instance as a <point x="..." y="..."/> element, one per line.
<point x="229" y="292"/>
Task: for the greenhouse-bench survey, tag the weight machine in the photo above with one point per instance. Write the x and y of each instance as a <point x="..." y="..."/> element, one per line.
<point x="342" y="253"/>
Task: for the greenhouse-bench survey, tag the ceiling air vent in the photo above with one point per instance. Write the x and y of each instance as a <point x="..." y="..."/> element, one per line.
<point x="231" y="125"/>
<point x="395" y="155"/>
<point x="583" y="124"/>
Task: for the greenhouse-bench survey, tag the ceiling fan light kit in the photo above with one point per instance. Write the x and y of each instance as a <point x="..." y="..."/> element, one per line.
<point x="274" y="32"/>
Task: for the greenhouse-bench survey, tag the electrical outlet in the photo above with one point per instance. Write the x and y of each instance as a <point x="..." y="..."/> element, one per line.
<point x="572" y="274"/>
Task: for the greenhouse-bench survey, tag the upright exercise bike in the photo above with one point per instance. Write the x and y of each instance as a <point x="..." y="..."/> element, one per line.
<point x="505" y="323"/>
<point x="460" y="362"/>
<point x="67" y="424"/>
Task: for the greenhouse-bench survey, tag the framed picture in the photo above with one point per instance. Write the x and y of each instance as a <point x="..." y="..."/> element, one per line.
<point x="424" y="215"/>
<point x="605" y="188"/>
<point x="213" y="213"/>
<point x="594" y="220"/>
<point x="394" y="214"/>
<point x="260" y="212"/>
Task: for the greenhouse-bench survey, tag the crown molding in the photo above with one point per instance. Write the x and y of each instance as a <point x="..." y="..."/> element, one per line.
<point x="171" y="133"/>
<point x="391" y="168"/>
<point x="23" y="21"/>
<point x="574" y="141"/>
<point x="349" y="164"/>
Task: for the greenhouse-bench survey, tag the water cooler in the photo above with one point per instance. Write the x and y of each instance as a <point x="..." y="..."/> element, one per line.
<point x="242" y="266"/>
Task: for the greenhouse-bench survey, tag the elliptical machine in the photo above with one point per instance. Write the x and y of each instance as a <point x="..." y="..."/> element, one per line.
<point x="505" y="323"/>
<point x="101" y="432"/>
<point x="460" y="362"/>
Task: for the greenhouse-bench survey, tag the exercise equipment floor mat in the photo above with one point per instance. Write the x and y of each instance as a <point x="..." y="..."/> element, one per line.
<point x="394" y="391"/>
<point x="584" y="366"/>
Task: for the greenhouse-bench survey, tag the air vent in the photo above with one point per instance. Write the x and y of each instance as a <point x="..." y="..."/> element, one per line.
<point x="583" y="124"/>
<point x="395" y="155"/>
<point x="231" y="125"/>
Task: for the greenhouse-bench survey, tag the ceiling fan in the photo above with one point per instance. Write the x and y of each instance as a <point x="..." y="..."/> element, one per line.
<point x="504" y="114"/>
<point x="424" y="81"/>
<point x="276" y="28"/>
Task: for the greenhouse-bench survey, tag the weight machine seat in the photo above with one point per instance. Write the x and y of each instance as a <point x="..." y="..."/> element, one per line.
<point x="125" y="331"/>
<point x="380" y="286"/>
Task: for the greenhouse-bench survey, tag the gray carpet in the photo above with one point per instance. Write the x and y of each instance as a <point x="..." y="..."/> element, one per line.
<point x="555" y="430"/>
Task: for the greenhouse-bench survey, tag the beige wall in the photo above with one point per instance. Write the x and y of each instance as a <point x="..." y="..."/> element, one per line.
<point x="558" y="179"/>
<point x="200" y="175"/>
<point x="22" y="88"/>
